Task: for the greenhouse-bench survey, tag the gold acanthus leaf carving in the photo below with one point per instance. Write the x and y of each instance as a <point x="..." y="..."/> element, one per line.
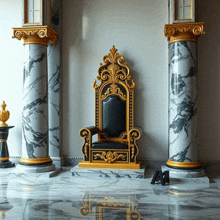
<point x="114" y="70"/>
<point x="112" y="90"/>
<point x="109" y="156"/>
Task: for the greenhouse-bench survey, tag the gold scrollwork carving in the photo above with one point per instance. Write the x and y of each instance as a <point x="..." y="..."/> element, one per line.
<point x="106" y="201"/>
<point x="86" y="208"/>
<point x="35" y="35"/>
<point x="114" y="70"/>
<point x="135" y="215"/>
<point x="109" y="156"/>
<point x="183" y="31"/>
<point x="132" y="150"/>
<point x="134" y="134"/>
<point x="114" y="89"/>
<point x="85" y="133"/>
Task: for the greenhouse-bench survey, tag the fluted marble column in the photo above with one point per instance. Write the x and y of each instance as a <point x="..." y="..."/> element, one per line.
<point x="183" y="95"/>
<point x="35" y="151"/>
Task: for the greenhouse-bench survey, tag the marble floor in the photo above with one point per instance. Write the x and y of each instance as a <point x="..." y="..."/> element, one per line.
<point x="63" y="196"/>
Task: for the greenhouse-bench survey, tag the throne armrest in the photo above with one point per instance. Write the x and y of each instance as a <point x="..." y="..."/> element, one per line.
<point x="87" y="133"/>
<point x="134" y="133"/>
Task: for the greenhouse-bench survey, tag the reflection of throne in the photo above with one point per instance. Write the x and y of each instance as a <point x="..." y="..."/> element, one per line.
<point x="114" y="99"/>
<point x="105" y="206"/>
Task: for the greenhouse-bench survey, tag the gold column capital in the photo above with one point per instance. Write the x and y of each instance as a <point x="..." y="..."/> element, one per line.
<point x="35" y="35"/>
<point x="183" y="31"/>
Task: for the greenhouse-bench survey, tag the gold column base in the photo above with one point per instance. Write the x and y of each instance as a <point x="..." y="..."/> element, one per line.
<point x="36" y="161"/>
<point x="85" y="164"/>
<point x="183" y="165"/>
<point x="4" y="159"/>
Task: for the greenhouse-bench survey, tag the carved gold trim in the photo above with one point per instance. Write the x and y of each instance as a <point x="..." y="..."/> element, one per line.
<point x="183" y="31"/>
<point x="115" y="70"/>
<point x="35" y="161"/>
<point x="86" y="134"/>
<point x="183" y="164"/>
<point x="4" y="159"/>
<point x="35" y="35"/>
<point x="112" y="90"/>
<point x="133" y="136"/>
<point x="109" y="157"/>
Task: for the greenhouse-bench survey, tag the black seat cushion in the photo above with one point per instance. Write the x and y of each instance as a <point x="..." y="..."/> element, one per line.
<point x="113" y="116"/>
<point x="109" y="145"/>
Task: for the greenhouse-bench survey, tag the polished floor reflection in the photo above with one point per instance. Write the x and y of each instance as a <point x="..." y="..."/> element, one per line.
<point x="36" y="197"/>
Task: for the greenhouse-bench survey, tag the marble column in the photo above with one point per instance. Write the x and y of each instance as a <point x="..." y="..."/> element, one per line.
<point x="53" y="55"/>
<point x="183" y="95"/>
<point x="35" y="151"/>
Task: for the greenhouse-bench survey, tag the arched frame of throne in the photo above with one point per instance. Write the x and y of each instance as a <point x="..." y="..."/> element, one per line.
<point x="114" y="118"/>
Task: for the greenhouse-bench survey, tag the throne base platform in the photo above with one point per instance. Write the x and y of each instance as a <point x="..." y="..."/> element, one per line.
<point x="85" y="164"/>
<point x="107" y="172"/>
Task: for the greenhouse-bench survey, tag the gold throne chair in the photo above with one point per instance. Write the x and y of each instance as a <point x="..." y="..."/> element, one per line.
<point x="114" y="121"/>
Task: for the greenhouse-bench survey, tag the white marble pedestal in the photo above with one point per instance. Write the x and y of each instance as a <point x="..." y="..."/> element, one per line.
<point x="35" y="169"/>
<point x="187" y="175"/>
<point x="108" y="173"/>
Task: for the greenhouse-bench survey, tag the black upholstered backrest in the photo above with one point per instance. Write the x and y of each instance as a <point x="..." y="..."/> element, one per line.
<point x="113" y="116"/>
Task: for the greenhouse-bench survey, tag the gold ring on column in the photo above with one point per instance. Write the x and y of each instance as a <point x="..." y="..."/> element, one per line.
<point x="35" y="160"/>
<point x="183" y="164"/>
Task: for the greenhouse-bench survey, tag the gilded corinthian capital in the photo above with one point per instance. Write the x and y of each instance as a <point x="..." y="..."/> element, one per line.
<point x="184" y="31"/>
<point x="35" y="35"/>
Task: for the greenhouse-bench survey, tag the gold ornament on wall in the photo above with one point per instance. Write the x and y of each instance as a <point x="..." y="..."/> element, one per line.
<point x="4" y="115"/>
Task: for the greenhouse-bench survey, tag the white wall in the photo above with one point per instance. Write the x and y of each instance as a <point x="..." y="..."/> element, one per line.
<point x="209" y="81"/>
<point x="90" y="28"/>
<point x="11" y="74"/>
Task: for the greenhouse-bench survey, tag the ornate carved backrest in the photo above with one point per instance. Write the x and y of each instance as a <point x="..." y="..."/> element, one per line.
<point x="114" y="99"/>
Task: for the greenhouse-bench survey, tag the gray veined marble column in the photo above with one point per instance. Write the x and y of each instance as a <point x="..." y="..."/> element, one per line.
<point x="53" y="56"/>
<point x="35" y="151"/>
<point x="183" y="99"/>
<point x="35" y="148"/>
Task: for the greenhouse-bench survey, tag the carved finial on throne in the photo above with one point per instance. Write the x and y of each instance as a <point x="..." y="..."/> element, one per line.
<point x="114" y="70"/>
